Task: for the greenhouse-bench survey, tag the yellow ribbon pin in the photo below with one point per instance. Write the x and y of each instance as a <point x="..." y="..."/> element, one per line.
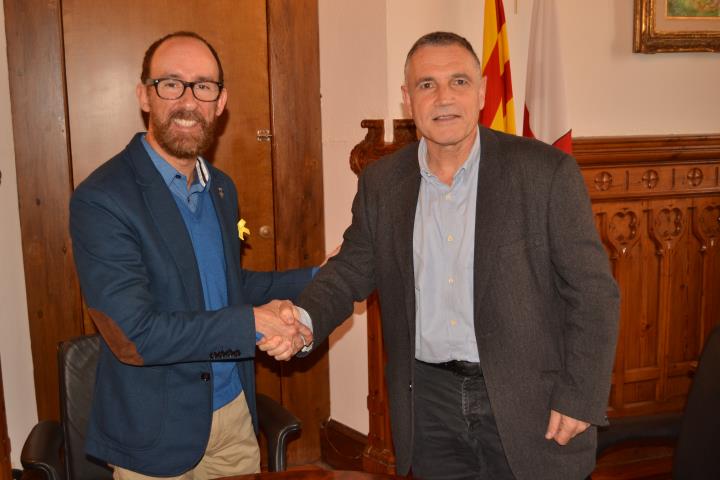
<point x="242" y="229"/>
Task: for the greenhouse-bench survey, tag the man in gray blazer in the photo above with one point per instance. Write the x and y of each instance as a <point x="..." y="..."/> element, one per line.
<point x="499" y="310"/>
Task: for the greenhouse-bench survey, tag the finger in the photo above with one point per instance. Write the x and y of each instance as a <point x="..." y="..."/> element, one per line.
<point x="565" y="432"/>
<point x="553" y="425"/>
<point x="284" y="346"/>
<point x="289" y="313"/>
<point x="306" y="333"/>
<point x="268" y="344"/>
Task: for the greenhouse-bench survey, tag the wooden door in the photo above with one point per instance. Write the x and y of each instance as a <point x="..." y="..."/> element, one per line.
<point x="104" y="46"/>
<point x="73" y="67"/>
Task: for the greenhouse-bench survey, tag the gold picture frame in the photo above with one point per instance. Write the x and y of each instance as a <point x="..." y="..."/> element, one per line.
<point x="655" y="31"/>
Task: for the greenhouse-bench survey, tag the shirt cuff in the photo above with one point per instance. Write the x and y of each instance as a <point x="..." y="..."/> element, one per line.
<point x="307" y="321"/>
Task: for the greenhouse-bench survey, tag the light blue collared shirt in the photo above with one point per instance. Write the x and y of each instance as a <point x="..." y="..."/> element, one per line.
<point x="443" y="252"/>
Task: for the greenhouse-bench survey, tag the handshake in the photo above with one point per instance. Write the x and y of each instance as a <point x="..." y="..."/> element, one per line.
<point x="283" y="335"/>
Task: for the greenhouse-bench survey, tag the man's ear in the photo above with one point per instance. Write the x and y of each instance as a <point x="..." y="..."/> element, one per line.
<point x="142" y="96"/>
<point x="222" y="100"/>
<point x="481" y="93"/>
<point x="406" y="99"/>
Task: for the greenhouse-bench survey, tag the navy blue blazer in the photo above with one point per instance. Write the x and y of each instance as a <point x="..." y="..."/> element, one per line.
<point x="136" y="264"/>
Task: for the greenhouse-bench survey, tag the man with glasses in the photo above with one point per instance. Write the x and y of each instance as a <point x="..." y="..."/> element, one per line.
<point x="156" y="245"/>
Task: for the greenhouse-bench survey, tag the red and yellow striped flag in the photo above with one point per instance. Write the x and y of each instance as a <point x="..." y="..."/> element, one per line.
<point x="499" y="110"/>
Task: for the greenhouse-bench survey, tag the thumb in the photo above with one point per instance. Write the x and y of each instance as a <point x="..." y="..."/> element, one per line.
<point x="288" y="313"/>
<point x="553" y="425"/>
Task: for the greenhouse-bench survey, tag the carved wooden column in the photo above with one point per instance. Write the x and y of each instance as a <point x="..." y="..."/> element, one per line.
<point x="378" y="456"/>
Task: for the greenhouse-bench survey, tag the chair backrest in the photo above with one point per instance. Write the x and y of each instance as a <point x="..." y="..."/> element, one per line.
<point x="697" y="455"/>
<point x="77" y="361"/>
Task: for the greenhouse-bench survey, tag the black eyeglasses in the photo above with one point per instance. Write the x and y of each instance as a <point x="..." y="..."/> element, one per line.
<point x="174" y="88"/>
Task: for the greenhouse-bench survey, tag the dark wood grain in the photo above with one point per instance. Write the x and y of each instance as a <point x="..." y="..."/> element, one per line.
<point x="297" y="171"/>
<point x="37" y="96"/>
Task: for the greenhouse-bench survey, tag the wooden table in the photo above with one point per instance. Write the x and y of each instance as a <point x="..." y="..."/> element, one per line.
<point x="315" y="474"/>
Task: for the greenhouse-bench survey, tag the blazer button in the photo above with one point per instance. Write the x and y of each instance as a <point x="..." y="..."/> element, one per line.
<point x="410" y="386"/>
<point x="205" y="377"/>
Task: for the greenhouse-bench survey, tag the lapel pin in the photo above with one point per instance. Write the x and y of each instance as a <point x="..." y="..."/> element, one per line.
<point x="242" y="229"/>
<point x="221" y="192"/>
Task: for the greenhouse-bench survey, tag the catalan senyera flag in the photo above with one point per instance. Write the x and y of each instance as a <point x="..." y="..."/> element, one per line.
<point x="499" y="110"/>
<point x="546" y="116"/>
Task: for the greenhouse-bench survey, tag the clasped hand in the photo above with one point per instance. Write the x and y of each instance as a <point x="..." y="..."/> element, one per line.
<point x="282" y="333"/>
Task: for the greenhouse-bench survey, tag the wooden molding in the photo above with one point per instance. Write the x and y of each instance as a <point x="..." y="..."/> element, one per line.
<point x="342" y="447"/>
<point x="592" y="151"/>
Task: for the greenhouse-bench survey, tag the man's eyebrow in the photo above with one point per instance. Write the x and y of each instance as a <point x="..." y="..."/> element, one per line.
<point x="424" y="79"/>
<point x="176" y="76"/>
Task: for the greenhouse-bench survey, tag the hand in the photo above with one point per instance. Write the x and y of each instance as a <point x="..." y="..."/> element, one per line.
<point x="283" y="334"/>
<point x="562" y="428"/>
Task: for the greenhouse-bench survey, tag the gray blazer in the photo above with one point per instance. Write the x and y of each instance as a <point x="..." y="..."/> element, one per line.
<point x="546" y="304"/>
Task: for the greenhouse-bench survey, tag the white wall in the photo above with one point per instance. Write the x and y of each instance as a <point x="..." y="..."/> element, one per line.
<point x="610" y="91"/>
<point x="17" y="367"/>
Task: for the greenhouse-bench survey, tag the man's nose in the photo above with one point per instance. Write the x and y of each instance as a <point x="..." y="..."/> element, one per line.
<point x="444" y="94"/>
<point x="188" y="99"/>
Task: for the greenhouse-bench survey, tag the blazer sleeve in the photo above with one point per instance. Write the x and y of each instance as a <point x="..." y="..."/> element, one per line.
<point x="347" y="277"/>
<point x="111" y="256"/>
<point x="261" y="287"/>
<point x="584" y="281"/>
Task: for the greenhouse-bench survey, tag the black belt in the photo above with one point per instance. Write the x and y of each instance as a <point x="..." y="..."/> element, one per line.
<point x="458" y="367"/>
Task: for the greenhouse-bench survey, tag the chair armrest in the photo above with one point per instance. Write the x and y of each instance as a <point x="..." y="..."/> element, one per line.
<point x="277" y="423"/>
<point x="625" y="429"/>
<point x="41" y="451"/>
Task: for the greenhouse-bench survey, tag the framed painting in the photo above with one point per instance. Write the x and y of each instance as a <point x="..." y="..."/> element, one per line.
<point x="676" y="26"/>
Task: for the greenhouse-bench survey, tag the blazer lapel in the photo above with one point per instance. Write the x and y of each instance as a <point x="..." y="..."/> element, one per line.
<point x="226" y="208"/>
<point x="406" y="198"/>
<point x="170" y="225"/>
<point x="491" y="191"/>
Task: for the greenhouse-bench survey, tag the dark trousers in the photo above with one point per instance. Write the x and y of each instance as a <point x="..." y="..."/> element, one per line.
<point x="455" y="432"/>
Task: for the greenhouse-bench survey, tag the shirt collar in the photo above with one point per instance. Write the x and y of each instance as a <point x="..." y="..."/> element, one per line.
<point x="169" y="173"/>
<point x="472" y="159"/>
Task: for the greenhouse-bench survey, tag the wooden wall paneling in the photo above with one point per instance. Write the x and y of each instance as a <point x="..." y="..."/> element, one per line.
<point x="293" y="46"/>
<point x="706" y="228"/>
<point x="620" y="230"/>
<point x="37" y="95"/>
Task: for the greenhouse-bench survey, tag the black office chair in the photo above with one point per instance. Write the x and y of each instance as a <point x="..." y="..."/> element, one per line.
<point x="56" y="449"/>
<point x="697" y="430"/>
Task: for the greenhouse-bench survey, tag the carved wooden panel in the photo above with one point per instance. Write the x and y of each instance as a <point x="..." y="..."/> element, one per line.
<point x="656" y="202"/>
<point x="657" y="208"/>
